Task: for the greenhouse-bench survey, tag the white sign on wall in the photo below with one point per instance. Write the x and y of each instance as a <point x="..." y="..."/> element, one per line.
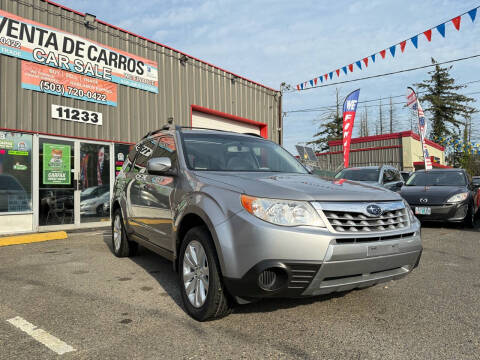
<point x="77" y="115"/>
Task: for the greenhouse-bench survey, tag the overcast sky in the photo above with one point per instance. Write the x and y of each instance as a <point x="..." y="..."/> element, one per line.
<point x="293" y="41"/>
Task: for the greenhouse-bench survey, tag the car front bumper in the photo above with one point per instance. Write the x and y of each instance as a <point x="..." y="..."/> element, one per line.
<point x="308" y="261"/>
<point x="446" y="212"/>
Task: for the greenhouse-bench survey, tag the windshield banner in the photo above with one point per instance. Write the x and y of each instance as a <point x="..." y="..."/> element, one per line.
<point x="414" y="104"/>
<point x="28" y="40"/>
<point x="349" y="110"/>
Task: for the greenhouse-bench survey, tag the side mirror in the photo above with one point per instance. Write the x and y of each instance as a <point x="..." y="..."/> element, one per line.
<point x="159" y="165"/>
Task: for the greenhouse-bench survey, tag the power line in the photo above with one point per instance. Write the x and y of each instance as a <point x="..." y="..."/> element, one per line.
<point x="387" y="74"/>
<point x="329" y="107"/>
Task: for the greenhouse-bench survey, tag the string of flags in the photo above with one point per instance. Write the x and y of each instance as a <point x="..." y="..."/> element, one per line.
<point x="363" y="63"/>
<point x="458" y="144"/>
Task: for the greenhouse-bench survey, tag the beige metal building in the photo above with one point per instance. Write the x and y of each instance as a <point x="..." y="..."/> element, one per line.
<point x="76" y="92"/>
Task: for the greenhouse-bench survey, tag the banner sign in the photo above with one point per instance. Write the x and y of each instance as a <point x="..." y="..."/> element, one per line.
<point x="56" y="164"/>
<point x="32" y="41"/>
<point x="60" y="82"/>
<point x="349" y="111"/>
<point x="413" y="103"/>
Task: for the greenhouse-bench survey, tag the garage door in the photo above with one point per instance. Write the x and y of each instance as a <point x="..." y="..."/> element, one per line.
<point x="209" y="121"/>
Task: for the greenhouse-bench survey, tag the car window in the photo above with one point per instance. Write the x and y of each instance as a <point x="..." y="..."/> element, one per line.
<point x="359" y="174"/>
<point x="165" y="147"/>
<point x="144" y="152"/>
<point x="437" y="178"/>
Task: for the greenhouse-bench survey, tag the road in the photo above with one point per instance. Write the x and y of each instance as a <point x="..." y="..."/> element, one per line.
<point x="103" y="307"/>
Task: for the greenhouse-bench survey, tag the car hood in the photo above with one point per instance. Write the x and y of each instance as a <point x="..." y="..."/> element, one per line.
<point x="298" y="186"/>
<point x="435" y="195"/>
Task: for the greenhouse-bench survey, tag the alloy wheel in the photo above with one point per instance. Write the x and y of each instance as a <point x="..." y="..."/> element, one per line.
<point x="117" y="232"/>
<point x="195" y="273"/>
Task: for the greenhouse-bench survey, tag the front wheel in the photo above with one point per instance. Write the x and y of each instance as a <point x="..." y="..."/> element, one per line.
<point x="469" y="220"/>
<point x="122" y="247"/>
<point x="202" y="290"/>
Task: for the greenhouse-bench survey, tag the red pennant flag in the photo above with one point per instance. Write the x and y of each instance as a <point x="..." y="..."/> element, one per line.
<point x="350" y="67"/>
<point x="365" y="61"/>
<point x="338" y="72"/>
<point x="315" y="81"/>
<point x="428" y="34"/>
<point x="456" y="22"/>
<point x="325" y="76"/>
<point x="403" y="44"/>
<point x="298" y="87"/>
<point x="383" y="52"/>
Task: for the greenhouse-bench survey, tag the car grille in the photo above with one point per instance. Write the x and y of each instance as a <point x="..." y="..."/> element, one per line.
<point x="347" y="221"/>
<point x="351" y="240"/>
<point x="302" y="275"/>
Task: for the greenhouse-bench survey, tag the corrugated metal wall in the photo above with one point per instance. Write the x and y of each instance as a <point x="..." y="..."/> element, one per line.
<point x="138" y="111"/>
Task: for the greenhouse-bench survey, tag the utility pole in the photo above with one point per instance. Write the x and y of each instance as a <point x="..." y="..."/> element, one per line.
<point x="380" y="115"/>
<point x="391" y="115"/>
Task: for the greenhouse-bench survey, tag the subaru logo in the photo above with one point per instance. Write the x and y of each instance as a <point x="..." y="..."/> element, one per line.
<point x="423" y="200"/>
<point x="374" y="210"/>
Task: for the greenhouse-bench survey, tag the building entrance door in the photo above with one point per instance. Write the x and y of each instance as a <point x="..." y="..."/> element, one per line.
<point x="74" y="182"/>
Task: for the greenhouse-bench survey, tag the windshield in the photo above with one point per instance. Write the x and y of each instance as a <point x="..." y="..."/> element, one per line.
<point x="437" y="178"/>
<point x="359" y="174"/>
<point x="226" y="152"/>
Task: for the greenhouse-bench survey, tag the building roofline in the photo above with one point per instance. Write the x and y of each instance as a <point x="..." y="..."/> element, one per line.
<point x="158" y="43"/>
<point x="397" y="135"/>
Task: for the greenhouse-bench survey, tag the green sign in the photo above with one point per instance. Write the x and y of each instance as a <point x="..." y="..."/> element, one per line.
<point x="56" y="164"/>
<point x="6" y="144"/>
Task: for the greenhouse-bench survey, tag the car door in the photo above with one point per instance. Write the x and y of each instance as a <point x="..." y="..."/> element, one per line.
<point x="154" y="193"/>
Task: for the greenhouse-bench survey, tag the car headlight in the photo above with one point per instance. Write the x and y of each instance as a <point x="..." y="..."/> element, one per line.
<point x="282" y="212"/>
<point x="458" y="198"/>
<point x="411" y="215"/>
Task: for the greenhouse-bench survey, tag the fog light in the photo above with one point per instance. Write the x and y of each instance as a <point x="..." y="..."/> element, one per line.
<point x="272" y="279"/>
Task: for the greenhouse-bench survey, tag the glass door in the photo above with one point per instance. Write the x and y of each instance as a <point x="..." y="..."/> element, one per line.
<point x="56" y="181"/>
<point x="94" y="182"/>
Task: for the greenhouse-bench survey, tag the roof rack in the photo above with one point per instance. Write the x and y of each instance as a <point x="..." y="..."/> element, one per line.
<point x="178" y="127"/>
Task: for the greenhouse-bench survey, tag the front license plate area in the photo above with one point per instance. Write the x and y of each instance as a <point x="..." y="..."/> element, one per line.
<point x="379" y="250"/>
<point x="423" y="210"/>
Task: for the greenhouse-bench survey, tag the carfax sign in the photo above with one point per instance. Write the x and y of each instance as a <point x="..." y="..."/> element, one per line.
<point x="56" y="164"/>
<point x="32" y="41"/>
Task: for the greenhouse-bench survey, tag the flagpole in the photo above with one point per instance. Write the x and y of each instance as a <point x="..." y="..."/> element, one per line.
<point x="412" y="101"/>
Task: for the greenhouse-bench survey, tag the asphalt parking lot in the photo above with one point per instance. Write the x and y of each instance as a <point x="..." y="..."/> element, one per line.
<point x="102" y="307"/>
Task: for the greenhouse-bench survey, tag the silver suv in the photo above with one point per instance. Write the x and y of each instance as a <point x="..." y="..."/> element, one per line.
<point x="242" y="219"/>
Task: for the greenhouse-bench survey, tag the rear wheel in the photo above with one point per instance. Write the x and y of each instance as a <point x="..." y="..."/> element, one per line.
<point x="122" y="247"/>
<point x="202" y="290"/>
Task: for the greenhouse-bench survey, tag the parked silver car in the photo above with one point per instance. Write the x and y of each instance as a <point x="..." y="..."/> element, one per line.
<point x="386" y="176"/>
<point x="241" y="219"/>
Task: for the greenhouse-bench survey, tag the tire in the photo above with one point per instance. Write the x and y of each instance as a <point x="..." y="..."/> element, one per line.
<point x="99" y="210"/>
<point x="469" y="220"/>
<point x="215" y="303"/>
<point x="123" y="247"/>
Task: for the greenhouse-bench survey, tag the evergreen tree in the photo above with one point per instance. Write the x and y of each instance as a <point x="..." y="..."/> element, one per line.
<point x="447" y="108"/>
<point x="331" y="127"/>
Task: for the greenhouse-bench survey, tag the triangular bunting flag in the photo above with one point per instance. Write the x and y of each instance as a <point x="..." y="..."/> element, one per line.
<point x="321" y="78"/>
<point x="473" y="14"/>
<point x="311" y="82"/>
<point x="441" y="29"/>
<point x="344" y="70"/>
<point x="428" y="34"/>
<point x="456" y="22"/>
<point x="338" y="72"/>
<point x="326" y="77"/>
<point x="365" y="61"/>
<point x="298" y="87"/>
<point x="415" y="41"/>
<point x="382" y="53"/>
<point x="315" y="81"/>
<point x="359" y="64"/>
<point x="350" y="67"/>
<point x="301" y="85"/>
<point x="373" y="57"/>
<point x="392" y="50"/>
<point x="331" y="75"/>
<point x="402" y="45"/>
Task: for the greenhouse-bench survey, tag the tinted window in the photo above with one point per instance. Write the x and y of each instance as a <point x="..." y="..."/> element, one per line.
<point x="144" y="151"/>
<point x="359" y="174"/>
<point x="166" y="147"/>
<point x="225" y="152"/>
<point x="437" y="178"/>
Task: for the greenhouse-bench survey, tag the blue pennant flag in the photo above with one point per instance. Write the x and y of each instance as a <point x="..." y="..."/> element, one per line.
<point x="331" y="75"/>
<point x="344" y="70"/>
<point x="373" y="57"/>
<point x="392" y="50"/>
<point x="415" y="41"/>
<point x="311" y="82"/>
<point x="359" y="64"/>
<point x="441" y="29"/>
<point x="473" y="14"/>
<point x="301" y="85"/>
<point x="321" y="78"/>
